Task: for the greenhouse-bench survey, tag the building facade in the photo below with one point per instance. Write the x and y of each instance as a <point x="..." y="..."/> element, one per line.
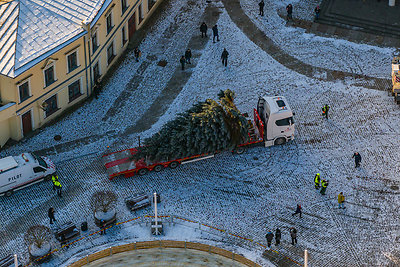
<point x="52" y="54"/>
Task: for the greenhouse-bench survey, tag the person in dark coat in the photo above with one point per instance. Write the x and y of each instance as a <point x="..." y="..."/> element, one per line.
<point x="261" y="5"/>
<point x="188" y="55"/>
<point x="103" y="227"/>
<point x="51" y="215"/>
<point x="215" y="33"/>
<point x="96" y="92"/>
<point x="277" y="236"/>
<point x="137" y="53"/>
<point x="289" y="10"/>
<point x="183" y="61"/>
<point x="357" y="159"/>
<point x="317" y="10"/>
<point x="224" y="57"/>
<point x="203" y="29"/>
<point x="293" y="235"/>
<point x="298" y="210"/>
<point x="269" y="236"/>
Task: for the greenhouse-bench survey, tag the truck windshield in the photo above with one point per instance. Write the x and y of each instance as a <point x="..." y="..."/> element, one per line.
<point x="40" y="160"/>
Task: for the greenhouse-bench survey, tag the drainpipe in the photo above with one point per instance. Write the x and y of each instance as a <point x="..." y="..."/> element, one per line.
<point x="86" y="26"/>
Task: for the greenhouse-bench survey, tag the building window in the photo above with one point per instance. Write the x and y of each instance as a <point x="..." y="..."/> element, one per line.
<point x="49" y="76"/>
<point x="110" y="53"/>
<point x="24" y="92"/>
<point x="109" y="23"/>
<point x="96" y="71"/>
<point x="124" y="6"/>
<point x="95" y="43"/>
<point x="74" y="90"/>
<point x="140" y="13"/>
<point x="123" y="32"/>
<point x="72" y="60"/>
<point x="51" y="106"/>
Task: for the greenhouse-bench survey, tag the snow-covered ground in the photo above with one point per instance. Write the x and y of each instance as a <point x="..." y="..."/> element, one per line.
<point x="245" y="194"/>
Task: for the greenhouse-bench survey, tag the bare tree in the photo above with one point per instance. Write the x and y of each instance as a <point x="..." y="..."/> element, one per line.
<point x="103" y="201"/>
<point x="38" y="235"/>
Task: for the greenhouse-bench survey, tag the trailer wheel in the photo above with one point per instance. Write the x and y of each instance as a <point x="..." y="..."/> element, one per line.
<point x="280" y="141"/>
<point x="240" y="150"/>
<point x="9" y="193"/>
<point x="173" y="164"/>
<point x="143" y="171"/>
<point x="158" y="168"/>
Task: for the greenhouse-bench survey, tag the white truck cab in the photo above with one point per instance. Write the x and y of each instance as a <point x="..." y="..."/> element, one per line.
<point x="278" y="121"/>
<point x="17" y="172"/>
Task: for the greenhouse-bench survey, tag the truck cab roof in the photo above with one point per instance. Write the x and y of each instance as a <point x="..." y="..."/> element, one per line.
<point x="277" y="104"/>
<point x="7" y="163"/>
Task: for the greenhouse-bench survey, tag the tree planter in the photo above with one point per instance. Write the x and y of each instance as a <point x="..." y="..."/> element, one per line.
<point x="36" y="253"/>
<point x="109" y="217"/>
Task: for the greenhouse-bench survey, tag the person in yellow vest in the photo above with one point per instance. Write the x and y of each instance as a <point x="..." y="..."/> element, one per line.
<point x="324" y="185"/>
<point x="54" y="178"/>
<point x="341" y="201"/>
<point x="58" y="186"/>
<point x="317" y="181"/>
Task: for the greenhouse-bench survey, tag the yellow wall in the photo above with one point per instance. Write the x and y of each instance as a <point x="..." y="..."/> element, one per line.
<point x="9" y="92"/>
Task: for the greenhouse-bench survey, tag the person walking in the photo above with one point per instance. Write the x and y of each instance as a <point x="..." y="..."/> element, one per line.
<point x="58" y="186"/>
<point x="277" y="236"/>
<point x="341" y="200"/>
<point x="183" y="61"/>
<point x="298" y="210"/>
<point x="325" y="110"/>
<point x="215" y="33"/>
<point x="261" y="5"/>
<point x="324" y="185"/>
<point x="289" y="10"/>
<point x="188" y="56"/>
<point x="137" y="53"/>
<point x="50" y="213"/>
<point x="317" y="10"/>
<point x="357" y="159"/>
<point x="269" y="236"/>
<point x="293" y="235"/>
<point x="54" y="178"/>
<point x="224" y="57"/>
<point x="203" y="30"/>
<point x="103" y="227"/>
<point x="317" y="181"/>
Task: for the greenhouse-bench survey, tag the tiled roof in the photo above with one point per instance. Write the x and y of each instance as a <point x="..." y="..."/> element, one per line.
<point x="30" y="30"/>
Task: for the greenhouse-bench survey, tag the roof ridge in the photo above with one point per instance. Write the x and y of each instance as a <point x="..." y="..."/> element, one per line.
<point x="16" y="39"/>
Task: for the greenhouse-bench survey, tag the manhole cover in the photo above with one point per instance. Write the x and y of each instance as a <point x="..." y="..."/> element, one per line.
<point x="394" y="187"/>
<point x="162" y="63"/>
<point x="57" y="137"/>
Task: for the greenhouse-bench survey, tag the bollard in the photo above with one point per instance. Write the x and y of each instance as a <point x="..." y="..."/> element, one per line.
<point x="305" y="258"/>
<point x="135" y="245"/>
<point x="110" y="251"/>
<point x="87" y="259"/>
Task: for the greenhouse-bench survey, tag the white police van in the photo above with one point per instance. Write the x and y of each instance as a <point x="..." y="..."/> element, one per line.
<point x="17" y="172"/>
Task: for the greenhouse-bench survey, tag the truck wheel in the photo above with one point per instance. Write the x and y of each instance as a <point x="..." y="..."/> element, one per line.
<point x="173" y="164"/>
<point x="158" y="168"/>
<point x="143" y="171"/>
<point x="240" y="150"/>
<point x="280" y="141"/>
<point x="47" y="178"/>
<point x="9" y="193"/>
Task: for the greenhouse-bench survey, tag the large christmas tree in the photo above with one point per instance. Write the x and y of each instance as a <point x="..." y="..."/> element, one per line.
<point x="206" y="127"/>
